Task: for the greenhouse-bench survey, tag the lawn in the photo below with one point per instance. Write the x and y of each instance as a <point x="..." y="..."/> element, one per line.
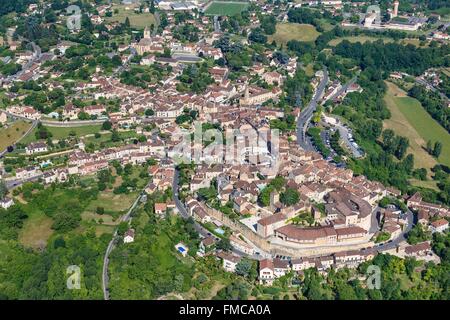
<point x="137" y="20"/>
<point x="10" y="135"/>
<point x="228" y="8"/>
<point x="64" y="132"/>
<point x="293" y="31"/>
<point x="410" y="119"/>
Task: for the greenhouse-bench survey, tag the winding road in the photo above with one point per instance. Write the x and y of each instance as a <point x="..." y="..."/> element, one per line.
<point x="306" y="114"/>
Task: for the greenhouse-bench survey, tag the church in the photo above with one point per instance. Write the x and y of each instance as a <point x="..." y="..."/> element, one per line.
<point x="149" y="44"/>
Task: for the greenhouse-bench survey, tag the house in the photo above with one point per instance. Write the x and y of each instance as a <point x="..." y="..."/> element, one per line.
<point x="206" y="245"/>
<point x="229" y="261"/>
<point x="439" y="225"/>
<point x="419" y="249"/>
<point x="160" y="208"/>
<point x="95" y="110"/>
<point x="280" y="267"/>
<point x="70" y="111"/>
<point x="3" y="118"/>
<point x="265" y="227"/>
<point x="128" y="236"/>
<point x="36" y="147"/>
<point x="6" y="202"/>
<point x="148" y="60"/>
<point x="273" y="78"/>
<point x="266" y="272"/>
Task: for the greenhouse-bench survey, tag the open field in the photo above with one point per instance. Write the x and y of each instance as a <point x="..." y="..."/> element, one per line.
<point x="36" y="231"/>
<point x="430" y="184"/>
<point x="228" y="8"/>
<point x="9" y="136"/>
<point x="293" y="31"/>
<point x="64" y="132"/>
<point x="137" y="20"/>
<point x="409" y="119"/>
<point x="112" y="202"/>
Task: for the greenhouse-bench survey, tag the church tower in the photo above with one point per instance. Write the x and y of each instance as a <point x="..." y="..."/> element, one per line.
<point x="146" y="33"/>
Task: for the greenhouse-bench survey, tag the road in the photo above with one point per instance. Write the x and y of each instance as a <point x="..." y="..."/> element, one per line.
<point x="344" y="136"/>
<point x="112" y="243"/>
<point x="306" y="114"/>
<point x="37" y="53"/>
<point x="429" y="86"/>
<point x="342" y="89"/>
<point x="10" y="184"/>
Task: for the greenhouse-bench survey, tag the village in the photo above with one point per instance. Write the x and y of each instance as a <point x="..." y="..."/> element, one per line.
<point x="287" y="206"/>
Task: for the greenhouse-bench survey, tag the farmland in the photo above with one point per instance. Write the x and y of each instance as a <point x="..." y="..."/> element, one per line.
<point x="65" y="132"/>
<point x="137" y="20"/>
<point x="293" y="31"/>
<point x="409" y="119"/>
<point x="225" y="8"/>
<point x="10" y="135"/>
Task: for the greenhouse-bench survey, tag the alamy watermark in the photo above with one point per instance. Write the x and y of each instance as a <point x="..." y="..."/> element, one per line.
<point x="74" y="20"/>
<point x="74" y="279"/>
<point x="373" y="280"/>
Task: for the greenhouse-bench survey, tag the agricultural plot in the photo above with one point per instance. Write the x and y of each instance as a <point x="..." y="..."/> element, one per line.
<point x="222" y="8"/>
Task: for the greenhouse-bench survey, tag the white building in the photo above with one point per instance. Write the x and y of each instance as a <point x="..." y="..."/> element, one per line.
<point x="128" y="236"/>
<point x="6" y="203"/>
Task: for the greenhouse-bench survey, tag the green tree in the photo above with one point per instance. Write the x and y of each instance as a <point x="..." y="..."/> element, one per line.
<point x="290" y="197"/>
<point x="437" y="149"/>
<point x="107" y="125"/>
<point x="3" y="190"/>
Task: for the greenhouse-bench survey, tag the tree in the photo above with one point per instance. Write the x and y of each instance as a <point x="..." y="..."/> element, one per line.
<point x="257" y="36"/>
<point x="290" y="197"/>
<point x="115" y="137"/>
<point x="107" y="125"/>
<point x="3" y="190"/>
<point x="152" y="6"/>
<point x="243" y="267"/>
<point x="437" y="149"/>
<point x="65" y="221"/>
<point x="224" y="244"/>
<point x="127" y="22"/>
<point x="429" y="147"/>
<point x="122" y="228"/>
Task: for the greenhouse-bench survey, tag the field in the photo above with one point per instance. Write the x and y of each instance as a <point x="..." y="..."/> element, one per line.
<point x="9" y="136"/>
<point x="409" y="119"/>
<point x="137" y="20"/>
<point x="293" y="31"/>
<point x="64" y="132"/>
<point x="219" y="8"/>
<point x="36" y="231"/>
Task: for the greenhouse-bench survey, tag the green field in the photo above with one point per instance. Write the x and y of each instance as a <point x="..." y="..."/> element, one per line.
<point x="137" y="20"/>
<point x="65" y="132"/>
<point x="410" y="119"/>
<point x="231" y="8"/>
<point x="10" y="135"/>
<point x="293" y="31"/>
